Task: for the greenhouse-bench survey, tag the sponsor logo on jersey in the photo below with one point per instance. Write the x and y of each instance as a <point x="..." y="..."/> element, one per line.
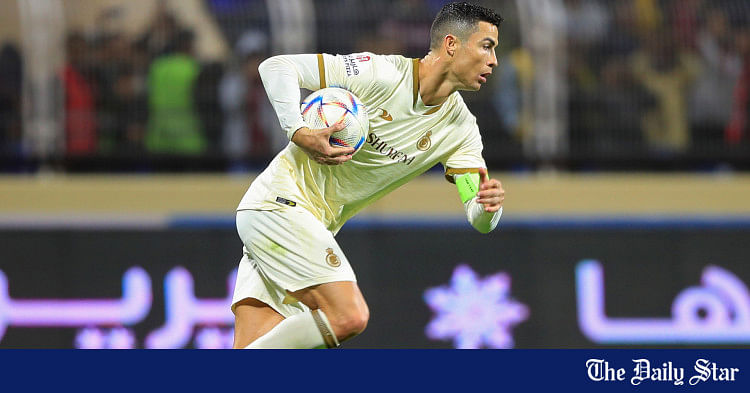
<point x="332" y="259"/>
<point x="350" y="64"/>
<point x="424" y="142"/>
<point x="356" y="63"/>
<point x="386" y="116"/>
<point x="384" y="148"/>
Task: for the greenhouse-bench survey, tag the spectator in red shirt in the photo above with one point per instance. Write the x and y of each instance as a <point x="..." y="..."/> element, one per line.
<point x="80" y="116"/>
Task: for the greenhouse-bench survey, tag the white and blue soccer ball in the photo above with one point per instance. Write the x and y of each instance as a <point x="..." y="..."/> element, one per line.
<point x="331" y="105"/>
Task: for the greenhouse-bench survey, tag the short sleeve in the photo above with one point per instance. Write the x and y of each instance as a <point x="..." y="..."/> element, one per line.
<point x="467" y="158"/>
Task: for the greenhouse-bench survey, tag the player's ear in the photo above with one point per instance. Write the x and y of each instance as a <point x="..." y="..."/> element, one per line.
<point x="451" y="43"/>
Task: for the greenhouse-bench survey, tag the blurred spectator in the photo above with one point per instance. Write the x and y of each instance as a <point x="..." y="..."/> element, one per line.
<point x="80" y="101"/>
<point x="711" y="101"/>
<point x="685" y="15"/>
<point x="586" y="21"/>
<point x="378" y="44"/>
<point x="161" y="36"/>
<point x="668" y="74"/>
<point x="622" y="37"/>
<point x="251" y="129"/>
<point x="208" y="104"/>
<point x="513" y="85"/>
<point x="621" y="102"/>
<point x="131" y="111"/>
<point x="739" y="127"/>
<point x="11" y="70"/>
<point x="173" y="126"/>
<point x="648" y="15"/>
<point x="339" y="31"/>
<point x="586" y="24"/>
<point x="408" y="21"/>
<point x="234" y="16"/>
<point x="121" y="92"/>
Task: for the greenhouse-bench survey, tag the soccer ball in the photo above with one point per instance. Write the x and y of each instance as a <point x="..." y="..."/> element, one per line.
<point x="331" y="105"/>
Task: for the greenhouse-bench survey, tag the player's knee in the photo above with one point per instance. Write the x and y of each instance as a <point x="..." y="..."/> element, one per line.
<point x="364" y="317"/>
<point x="350" y="324"/>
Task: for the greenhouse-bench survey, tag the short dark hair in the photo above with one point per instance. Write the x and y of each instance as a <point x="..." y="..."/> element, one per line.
<point x="460" y="19"/>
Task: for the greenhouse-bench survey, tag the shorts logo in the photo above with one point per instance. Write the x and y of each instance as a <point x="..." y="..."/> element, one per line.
<point x="425" y="143"/>
<point x="332" y="259"/>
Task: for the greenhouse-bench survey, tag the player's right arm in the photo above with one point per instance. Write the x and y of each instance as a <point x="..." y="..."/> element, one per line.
<point x="316" y="144"/>
<point x="282" y="77"/>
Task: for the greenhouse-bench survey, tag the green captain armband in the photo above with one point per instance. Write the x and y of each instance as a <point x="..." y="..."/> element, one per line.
<point x="468" y="185"/>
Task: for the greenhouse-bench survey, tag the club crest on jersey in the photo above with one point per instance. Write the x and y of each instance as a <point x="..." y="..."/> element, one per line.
<point x="332" y="259"/>
<point x="424" y="142"/>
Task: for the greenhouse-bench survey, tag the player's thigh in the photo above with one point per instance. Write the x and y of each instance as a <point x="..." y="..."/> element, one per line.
<point x="292" y="249"/>
<point x="252" y="319"/>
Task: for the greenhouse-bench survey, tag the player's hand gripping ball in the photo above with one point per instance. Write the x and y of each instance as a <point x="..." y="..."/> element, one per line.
<point x="327" y="107"/>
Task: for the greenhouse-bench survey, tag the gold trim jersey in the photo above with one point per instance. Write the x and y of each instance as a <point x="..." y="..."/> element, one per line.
<point x="406" y="136"/>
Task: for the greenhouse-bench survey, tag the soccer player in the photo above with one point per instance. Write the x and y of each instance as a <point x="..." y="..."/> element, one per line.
<point x="295" y="288"/>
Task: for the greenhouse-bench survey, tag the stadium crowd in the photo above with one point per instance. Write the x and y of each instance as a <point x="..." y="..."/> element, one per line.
<point x="645" y="78"/>
<point x="670" y="77"/>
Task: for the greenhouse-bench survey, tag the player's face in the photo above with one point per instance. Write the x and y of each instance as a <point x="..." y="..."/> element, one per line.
<point x="476" y="58"/>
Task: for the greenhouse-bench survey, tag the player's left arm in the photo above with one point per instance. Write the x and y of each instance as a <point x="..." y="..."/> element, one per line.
<point x="481" y="196"/>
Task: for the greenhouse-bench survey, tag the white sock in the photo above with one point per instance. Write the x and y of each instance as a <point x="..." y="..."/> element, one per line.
<point x="300" y="331"/>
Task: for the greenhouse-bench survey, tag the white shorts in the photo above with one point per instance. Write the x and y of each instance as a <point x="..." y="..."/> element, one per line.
<point x="286" y="249"/>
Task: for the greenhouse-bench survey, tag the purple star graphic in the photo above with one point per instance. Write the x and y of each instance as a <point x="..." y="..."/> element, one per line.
<point x="474" y="312"/>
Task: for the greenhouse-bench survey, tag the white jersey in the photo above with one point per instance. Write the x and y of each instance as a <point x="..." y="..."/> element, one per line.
<point x="406" y="136"/>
